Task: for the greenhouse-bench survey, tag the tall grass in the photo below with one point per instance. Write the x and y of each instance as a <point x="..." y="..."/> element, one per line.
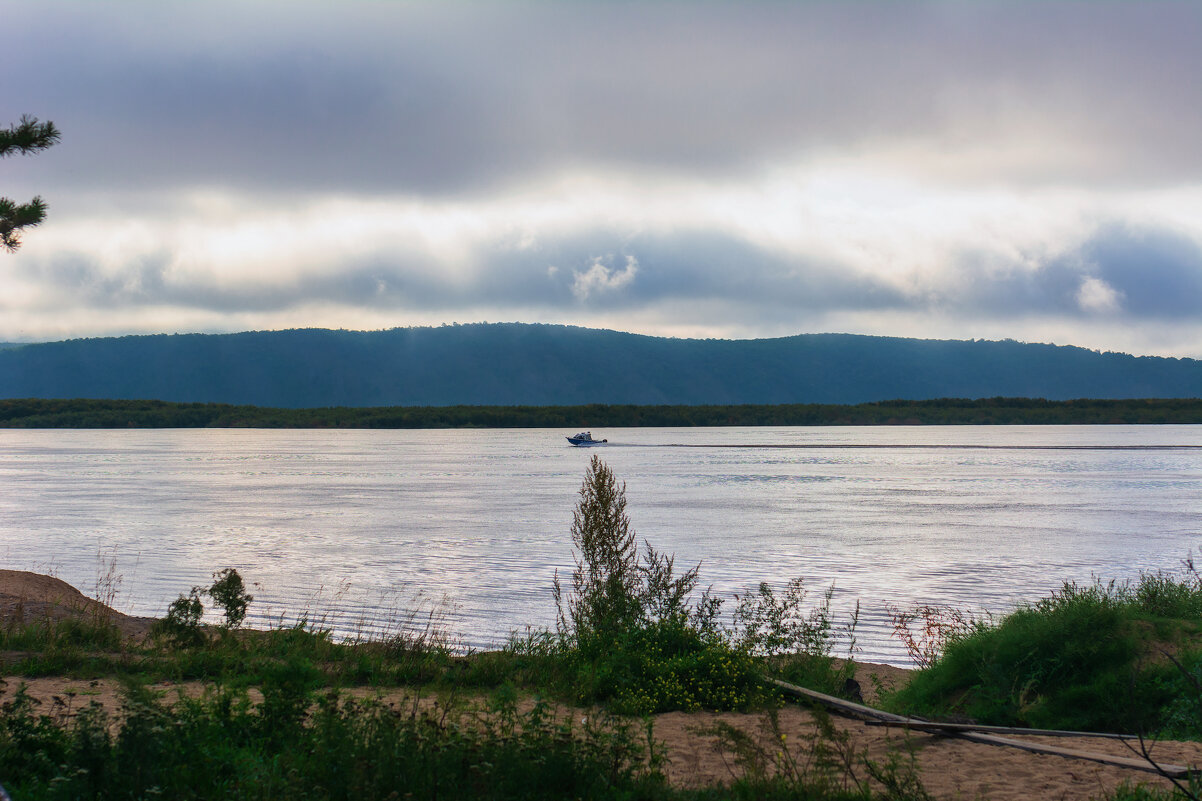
<point x="296" y="744"/>
<point x="85" y="642"/>
<point x="824" y="764"/>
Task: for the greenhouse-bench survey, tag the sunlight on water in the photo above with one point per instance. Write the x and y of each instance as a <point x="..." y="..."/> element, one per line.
<point x="360" y="527"/>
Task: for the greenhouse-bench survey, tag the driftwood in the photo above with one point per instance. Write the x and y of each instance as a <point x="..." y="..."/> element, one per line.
<point x="973" y="733"/>
<point x="922" y="724"/>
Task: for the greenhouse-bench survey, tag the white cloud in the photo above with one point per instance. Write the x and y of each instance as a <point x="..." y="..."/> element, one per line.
<point x="1098" y="297"/>
<point x="602" y="278"/>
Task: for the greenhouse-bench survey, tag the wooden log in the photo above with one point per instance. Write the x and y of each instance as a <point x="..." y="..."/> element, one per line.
<point x="954" y="730"/>
<point x="921" y="724"/>
<point x="1172" y="771"/>
<point x="838" y="704"/>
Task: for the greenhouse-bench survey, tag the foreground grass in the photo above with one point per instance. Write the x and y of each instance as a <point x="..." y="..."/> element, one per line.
<point x="297" y="742"/>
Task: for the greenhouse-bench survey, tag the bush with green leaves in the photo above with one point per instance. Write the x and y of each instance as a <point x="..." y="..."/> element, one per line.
<point x="228" y="592"/>
<point x="633" y="634"/>
<point x="1087" y="658"/>
<point x="628" y="631"/>
<point x="669" y="665"/>
<point x="181" y="625"/>
<point x="799" y="640"/>
<point x="615" y="587"/>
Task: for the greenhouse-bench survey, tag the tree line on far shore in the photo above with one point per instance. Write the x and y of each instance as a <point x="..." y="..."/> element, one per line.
<point x="83" y="413"/>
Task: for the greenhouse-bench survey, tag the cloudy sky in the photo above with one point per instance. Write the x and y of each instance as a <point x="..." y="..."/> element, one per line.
<point x="947" y="170"/>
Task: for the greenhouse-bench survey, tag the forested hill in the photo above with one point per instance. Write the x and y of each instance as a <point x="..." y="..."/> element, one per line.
<point x="517" y="364"/>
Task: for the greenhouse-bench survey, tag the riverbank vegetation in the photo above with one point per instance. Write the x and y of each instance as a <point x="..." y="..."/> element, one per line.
<point x="1112" y="657"/>
<point x="296" y="712"/>
<point x="50" y="413"/>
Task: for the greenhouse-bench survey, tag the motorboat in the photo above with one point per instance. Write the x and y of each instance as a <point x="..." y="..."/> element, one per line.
<point x="586" y="438"/>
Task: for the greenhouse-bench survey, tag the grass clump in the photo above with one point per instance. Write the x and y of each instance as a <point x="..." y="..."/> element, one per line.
<point x="247" y="657"/>
<point x="824" y="765"/>
<point x="68" y="635"/>
<point x="83" y="642"/>
<point x="1086" y="658"/>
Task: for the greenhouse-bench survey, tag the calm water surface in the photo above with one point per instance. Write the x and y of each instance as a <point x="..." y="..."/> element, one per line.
<point x="344" y="524"/>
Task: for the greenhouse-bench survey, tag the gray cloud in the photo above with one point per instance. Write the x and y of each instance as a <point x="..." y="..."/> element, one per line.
<point x="1158" y="272"/>
<point x="1153" y="274"/>
<point x="416" y="98"/>
<point x="686" y="266"/>
<point x="682" y="276"/>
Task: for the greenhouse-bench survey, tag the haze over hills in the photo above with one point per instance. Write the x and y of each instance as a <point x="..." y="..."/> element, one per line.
<point x="524" y="364"/>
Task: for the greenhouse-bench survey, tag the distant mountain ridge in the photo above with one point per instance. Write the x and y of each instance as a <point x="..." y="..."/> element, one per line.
<point x="505" y="364"/>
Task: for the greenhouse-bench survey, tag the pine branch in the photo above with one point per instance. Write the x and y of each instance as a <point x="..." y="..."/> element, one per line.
<point x="14" y="217"/>
<point x="28" y="136"/>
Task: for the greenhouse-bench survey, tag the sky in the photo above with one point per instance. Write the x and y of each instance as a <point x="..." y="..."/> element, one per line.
<point x="952" y="170"/>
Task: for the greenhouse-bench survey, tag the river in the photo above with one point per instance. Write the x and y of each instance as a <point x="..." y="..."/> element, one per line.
<point x="360" y="528"/>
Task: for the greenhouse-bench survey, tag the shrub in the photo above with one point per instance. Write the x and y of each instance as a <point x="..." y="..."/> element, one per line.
<point x="926" y="630"/>
<point x="614" y="586"/>
<point x="230" y="594"/>
<point x="631" y="633"/>
<point x="668" y="665"/>
<point x="181" y="625"/>
<point x="800" y="644"/>
<point x="1182" y="717"/>
<point x="628" y="632"/>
